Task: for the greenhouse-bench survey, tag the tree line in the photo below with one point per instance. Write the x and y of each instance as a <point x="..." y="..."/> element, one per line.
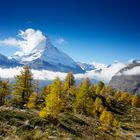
<point x="65" y="96"/>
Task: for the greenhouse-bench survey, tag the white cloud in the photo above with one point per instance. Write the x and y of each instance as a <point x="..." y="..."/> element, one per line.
<point x="133" y="71"/>
<point x="9" y="72"/>
<point x="9" y="42"/>
<point x="48" y="75"/>
<point x="40" y="75"/>
<point x="105" y="75"/>
<point x="31" y="39"/>
<point x="27" y="40"/>
<point x="61" y="41"/>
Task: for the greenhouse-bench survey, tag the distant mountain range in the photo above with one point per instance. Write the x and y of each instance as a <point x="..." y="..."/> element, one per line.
<point x="125" y="77"/>
<point x="92" y="66"/>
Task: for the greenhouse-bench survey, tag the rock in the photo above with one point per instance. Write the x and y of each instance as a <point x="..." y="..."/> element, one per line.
<point x="128" y="79"/>
<point x="52" y="137"/>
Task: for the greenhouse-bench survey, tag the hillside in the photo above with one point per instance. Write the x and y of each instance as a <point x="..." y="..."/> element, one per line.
<point x="25" y="124"/>
<point x="128" y="78"/>
<point x="63" y="110"/>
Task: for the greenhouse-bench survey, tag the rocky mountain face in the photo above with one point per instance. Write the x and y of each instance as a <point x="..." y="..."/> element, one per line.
<point x="128" y="78"/>
<point x="5" y="62"/>
<point x="43" y="57"/>
<point x="86" y="66"/>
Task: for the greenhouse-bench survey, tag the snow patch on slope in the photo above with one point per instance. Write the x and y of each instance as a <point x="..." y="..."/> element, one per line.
<point x="99" y="66"/>
<point x="92" y="66"/>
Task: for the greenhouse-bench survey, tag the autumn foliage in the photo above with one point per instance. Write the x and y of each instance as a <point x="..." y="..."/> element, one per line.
<point x="85" y="98"/>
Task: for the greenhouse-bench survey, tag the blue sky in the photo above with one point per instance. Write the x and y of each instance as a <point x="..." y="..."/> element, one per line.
<point x="92" y="30"/>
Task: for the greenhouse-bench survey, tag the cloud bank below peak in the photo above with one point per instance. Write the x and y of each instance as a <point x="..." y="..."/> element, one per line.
<point x="105" y="75"/>
<point x="30" y="40"/>
<point x="133" y="71"/>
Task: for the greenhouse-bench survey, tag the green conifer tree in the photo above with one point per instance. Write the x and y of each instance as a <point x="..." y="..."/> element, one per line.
<point x="32" y="101"/>
<point x="68" y="83"/>
<point x="84" y="101"/>
<point x="103" y="91"/>
<point x="23" y="87"/>
<point x="69" y="90"/>
<point x="110" y="90"/>
<point x="135" y="102"/>
<point x="54" y="101"/>
<point x="99" y="87"/>
<point x="4" y="90"/>
<point x="117" y="94"/>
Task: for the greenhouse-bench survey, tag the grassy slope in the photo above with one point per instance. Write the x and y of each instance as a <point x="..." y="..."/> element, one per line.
<point x="24" y="124"/>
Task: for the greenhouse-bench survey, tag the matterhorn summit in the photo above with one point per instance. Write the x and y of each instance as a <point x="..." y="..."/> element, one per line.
<point x="37" y="51"/>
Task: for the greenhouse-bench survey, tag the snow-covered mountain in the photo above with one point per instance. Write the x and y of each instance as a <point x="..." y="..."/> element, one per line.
<point x="37" y="51"/>
<point x="102" y="72"/>
<point x="49" y="58"/>
<point x="47" y="61"/>
<point x="86" y="66"/>
<point x="42" y="55"/>
<point x="99" y="72"/>
<point x="92" y="66"/>
<point x="5" y="62"/>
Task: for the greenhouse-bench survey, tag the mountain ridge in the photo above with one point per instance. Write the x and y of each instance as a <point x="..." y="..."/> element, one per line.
<point x="6" y="62"/>
<point x="45" y="56"/>
<point x="128" y="78"/>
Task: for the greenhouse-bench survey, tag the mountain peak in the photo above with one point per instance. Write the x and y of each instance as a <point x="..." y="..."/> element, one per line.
<point x="38" y="52"/>
<point x="134" y="61"/>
